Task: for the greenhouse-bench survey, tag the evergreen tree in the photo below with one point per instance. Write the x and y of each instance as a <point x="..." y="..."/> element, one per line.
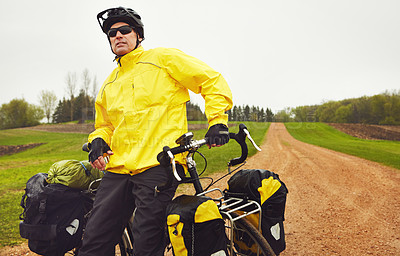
<point x="194" y="112"/>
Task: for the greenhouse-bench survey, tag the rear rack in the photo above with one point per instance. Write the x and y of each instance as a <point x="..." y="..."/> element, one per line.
<point x="241" y="206"/>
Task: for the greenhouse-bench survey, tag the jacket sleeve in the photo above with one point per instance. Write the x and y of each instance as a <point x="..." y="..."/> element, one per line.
<point x="198" y="77"/>
<point x="103" y="126"/>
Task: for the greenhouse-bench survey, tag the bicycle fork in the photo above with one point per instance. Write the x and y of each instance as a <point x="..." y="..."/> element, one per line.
<point x="193" y="174"/>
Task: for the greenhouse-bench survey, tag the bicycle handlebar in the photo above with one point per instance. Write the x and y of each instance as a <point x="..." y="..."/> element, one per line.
<point x="167" y="155"/>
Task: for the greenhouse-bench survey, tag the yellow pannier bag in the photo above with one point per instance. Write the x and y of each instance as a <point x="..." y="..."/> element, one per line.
<point x="196" y="227"/>
<point x="266" y="188"/>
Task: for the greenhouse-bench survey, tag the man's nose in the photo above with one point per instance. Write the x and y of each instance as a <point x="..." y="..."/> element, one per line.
<point x="119" y="34"/>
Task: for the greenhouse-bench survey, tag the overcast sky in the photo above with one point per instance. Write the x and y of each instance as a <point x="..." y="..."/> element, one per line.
<point x="275" y="54"/>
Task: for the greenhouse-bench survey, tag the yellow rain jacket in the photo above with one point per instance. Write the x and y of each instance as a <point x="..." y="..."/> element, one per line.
<point x="141" y="107"/>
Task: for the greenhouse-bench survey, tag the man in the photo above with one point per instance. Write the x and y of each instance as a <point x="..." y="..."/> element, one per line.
<point x="140" y="108"/>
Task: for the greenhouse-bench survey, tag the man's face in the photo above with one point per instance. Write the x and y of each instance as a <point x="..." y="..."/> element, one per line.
<point x="122" y="44"/>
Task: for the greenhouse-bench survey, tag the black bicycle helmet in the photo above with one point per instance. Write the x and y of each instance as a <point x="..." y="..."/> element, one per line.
<point x="111" y="16"/>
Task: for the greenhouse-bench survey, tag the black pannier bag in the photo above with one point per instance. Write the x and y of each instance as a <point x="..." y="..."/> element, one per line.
<point x="196" y="227"/>
<point x="53" y="217"/>
<point x="270" y="192"/>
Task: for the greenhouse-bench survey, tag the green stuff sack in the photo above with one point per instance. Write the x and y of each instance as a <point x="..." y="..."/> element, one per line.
<point x="195" y="227"/>
<point x="270" y="192"/>
<point x="73" y="173"/>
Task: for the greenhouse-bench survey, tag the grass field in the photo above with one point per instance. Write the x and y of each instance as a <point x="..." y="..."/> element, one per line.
<point x="16" y="169"/>
<point x="323" y="135"/>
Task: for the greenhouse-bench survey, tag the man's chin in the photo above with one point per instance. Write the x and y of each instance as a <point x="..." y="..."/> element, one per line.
<point x="122" y="51"/>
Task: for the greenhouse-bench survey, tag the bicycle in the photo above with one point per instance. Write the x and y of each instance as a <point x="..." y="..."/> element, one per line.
<point x="233" y="207"/>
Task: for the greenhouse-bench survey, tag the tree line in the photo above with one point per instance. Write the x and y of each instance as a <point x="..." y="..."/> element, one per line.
<point x="381" y="109"/>
<point x="237" y="113"/>
<point x="250" y="113"/>
<point x="378" y="109"/>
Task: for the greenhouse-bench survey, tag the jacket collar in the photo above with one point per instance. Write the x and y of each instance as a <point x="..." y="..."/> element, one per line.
<point x="130" y="57"/>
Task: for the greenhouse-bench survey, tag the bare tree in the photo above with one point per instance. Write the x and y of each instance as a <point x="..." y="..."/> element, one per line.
<point x="71" y="81"/>
<point x="85" y="87"/>
<point x="94" y="94"/>
<point x="47" y="100"/>
<point x="94" y="87"/>
<point x="86" y="81"/>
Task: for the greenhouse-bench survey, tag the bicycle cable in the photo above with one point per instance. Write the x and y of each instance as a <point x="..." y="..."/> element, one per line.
<point x="229" y="173"/>
<point x="204" y="169"/>
<point x="205" y="161"/>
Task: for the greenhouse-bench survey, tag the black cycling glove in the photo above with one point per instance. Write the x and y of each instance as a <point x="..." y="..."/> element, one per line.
<point x="97" y="148"/>
<point x="217" y="134"/>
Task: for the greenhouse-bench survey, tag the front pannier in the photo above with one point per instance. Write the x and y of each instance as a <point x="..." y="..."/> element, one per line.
<point x="195" y="227"/>
<point x="53" y="217"/>
<point x="270" y="192"/>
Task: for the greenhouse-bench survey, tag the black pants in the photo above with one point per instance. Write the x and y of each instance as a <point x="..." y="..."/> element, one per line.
<point x="116" y="198"/>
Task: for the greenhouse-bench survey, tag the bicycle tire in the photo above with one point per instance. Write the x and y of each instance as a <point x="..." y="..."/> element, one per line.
<point x="244" y="230"/>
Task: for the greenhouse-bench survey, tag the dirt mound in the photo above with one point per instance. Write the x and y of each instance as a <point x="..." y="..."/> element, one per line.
<point x="12" y="149"/>
<point x="369" y="132"/>
<point x="64" y="128"/>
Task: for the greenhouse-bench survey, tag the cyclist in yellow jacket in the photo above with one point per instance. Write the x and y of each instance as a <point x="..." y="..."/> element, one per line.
<point x="140" y="108"/>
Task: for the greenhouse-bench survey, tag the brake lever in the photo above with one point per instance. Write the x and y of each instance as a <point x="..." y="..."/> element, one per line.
<point x="171" y="156"/>
<point x="251" y="139"/>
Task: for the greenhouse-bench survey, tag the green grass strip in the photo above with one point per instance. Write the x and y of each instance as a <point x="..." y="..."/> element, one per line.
<point x="16" y="169"/>
<point x="323" y="135"/>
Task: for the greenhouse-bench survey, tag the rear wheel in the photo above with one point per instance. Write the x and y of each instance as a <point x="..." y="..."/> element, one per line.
<point x="126" y="244"/>
<point x="245" y="238"/>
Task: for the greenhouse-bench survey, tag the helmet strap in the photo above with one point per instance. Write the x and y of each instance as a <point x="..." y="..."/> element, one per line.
<point x="137" y="42"/>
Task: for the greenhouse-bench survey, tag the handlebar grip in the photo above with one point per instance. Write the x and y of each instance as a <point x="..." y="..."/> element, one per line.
<point x="162" y="157"/>
<point x="86" y="147"/>
<point x="240" y="138"/>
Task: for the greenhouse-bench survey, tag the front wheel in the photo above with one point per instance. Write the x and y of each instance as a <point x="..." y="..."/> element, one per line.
<point x="245" y="239"/>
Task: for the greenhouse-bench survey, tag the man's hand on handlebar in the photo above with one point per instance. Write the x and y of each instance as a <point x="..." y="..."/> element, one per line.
<point x="97" y="148"/>
<point x="217" y="135"/>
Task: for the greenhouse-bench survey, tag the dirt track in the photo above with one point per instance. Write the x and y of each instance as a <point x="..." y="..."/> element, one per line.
<point x="337" y="204"/>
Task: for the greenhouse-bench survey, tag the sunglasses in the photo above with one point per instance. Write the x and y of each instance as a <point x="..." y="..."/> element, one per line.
<point x="124" y="30"/>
